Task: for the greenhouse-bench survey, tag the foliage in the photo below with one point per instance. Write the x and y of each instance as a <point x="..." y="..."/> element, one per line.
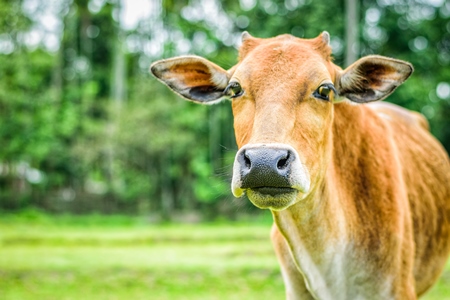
<point x="85" y="129"/>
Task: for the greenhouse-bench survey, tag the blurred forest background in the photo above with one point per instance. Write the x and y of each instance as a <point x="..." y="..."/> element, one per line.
<point x="84" y="127"/>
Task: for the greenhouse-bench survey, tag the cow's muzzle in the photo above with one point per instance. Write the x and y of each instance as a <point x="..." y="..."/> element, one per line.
<point x="272" y="175"/>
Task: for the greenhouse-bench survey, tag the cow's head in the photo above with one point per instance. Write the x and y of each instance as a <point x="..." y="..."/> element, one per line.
<point x="282" y="91"/>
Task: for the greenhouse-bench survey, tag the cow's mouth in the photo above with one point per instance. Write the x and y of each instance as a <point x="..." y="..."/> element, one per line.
<point x="275" y="198"/>
<point x="273" y="191"/>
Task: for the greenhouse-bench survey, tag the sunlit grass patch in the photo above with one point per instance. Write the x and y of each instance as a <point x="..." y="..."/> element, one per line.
<point x="139" y="284"/>
<point x="41" y="261"/>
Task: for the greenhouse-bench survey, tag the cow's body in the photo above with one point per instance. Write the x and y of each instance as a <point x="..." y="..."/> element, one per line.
<point x="386" y="190"/>
<point x="360" y="194"/>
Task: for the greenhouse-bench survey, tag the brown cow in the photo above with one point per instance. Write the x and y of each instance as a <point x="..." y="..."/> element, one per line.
<point x="360" y="193"/>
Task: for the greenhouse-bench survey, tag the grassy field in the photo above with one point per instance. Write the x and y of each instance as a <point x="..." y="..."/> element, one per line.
<point x="122" y="259"/>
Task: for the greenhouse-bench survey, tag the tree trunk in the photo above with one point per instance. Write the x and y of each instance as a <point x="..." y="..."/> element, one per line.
<point x="117" y="95"/>
<point x="351" y="31"/>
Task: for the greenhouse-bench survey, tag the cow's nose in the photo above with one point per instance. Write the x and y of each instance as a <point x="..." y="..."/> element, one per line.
<point x="265" y="167"/>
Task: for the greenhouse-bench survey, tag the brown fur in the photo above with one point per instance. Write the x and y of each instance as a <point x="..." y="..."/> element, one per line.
<point x="376" y="220"/>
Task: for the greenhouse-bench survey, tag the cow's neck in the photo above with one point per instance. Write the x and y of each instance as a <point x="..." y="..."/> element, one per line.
<point x="319" y="228"/>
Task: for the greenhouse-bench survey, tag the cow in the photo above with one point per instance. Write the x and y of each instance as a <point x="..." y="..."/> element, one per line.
<point x="359" y="192"/>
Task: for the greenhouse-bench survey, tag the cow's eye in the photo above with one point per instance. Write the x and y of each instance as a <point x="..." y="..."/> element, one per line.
<point x="234" y="90"/>
<point x="323" y="92"/>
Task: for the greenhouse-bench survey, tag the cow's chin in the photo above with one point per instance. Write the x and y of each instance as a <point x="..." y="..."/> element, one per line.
<point x="272" y="198"/>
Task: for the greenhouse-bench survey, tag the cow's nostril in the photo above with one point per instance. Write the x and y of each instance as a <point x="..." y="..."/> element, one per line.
<point x="283" y="162"/>
<point x="247" y="161"/>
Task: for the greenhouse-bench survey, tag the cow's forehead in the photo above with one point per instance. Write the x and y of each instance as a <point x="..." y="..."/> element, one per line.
<point x="284" y="60"/>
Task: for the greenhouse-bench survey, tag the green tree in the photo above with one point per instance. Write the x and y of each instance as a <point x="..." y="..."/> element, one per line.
<point x="85" y="128"/>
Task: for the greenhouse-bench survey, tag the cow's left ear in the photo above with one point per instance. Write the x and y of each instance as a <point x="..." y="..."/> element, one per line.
<point x="372" y="78"/>
<point x="194" y="78"/>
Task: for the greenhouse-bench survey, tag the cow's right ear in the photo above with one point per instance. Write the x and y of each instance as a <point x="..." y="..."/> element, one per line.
<point x="193" y="77"/>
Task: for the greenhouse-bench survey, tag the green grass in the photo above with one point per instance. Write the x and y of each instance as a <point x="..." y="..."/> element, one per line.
<point x="107" y="258"/>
